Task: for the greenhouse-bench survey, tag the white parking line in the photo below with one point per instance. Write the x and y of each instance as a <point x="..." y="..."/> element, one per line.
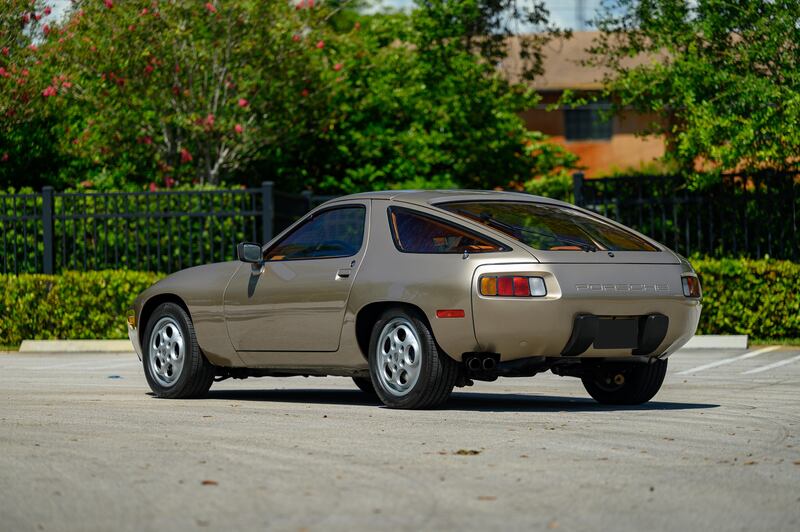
<point x="731" y="360"/>
<point x="772" y="366"/>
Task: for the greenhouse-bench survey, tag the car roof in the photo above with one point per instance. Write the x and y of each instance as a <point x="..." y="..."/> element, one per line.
<point x="433" y="197"/>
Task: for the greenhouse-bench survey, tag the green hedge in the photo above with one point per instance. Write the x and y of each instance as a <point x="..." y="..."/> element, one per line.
<point x="74" y="305"/>
<point x="759" y="298"/>
<point x="756" y="297"/>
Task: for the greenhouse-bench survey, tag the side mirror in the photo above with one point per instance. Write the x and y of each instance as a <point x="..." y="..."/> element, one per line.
<point x="249" y="252"/>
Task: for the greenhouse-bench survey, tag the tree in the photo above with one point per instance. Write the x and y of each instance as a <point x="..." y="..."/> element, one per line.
<point x="724" y="77"/>
<point x="309" y="94"/>
<point x="417" y="102"/>
<point x="180" y="89"/>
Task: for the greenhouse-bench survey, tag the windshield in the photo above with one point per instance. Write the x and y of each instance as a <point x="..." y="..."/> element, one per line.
<point x="550" y="227"/>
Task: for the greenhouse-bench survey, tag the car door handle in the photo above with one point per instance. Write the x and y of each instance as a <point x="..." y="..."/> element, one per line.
<point x="343" y="273"/>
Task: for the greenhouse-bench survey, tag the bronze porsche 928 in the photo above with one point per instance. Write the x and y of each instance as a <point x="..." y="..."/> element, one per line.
<point x="411" y="293"/>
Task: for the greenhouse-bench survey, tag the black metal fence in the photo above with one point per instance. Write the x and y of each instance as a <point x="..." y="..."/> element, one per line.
<point x="749" y="215"/>
<point x="154" y="231"/>
<point x="743" y="215"/>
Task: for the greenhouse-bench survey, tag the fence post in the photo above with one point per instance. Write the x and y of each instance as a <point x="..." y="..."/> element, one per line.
<point x="308" y="196"/>
<point x="267" y="211"/>
<point x="48" y="208"/>
<point x="577" y="188"/>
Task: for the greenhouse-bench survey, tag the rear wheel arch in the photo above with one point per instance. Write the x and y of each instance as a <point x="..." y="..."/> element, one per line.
<point x="369" y="314"/>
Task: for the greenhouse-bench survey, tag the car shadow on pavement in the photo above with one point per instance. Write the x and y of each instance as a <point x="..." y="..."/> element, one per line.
<point x="467" y="401"/>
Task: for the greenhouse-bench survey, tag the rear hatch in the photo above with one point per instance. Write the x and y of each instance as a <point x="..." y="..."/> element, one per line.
<point x="609" y="258"/>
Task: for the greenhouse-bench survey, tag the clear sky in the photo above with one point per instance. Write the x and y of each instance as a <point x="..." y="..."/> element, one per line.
<point x="563" y="12"/>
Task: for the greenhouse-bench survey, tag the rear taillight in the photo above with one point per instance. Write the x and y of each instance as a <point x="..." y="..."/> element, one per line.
<point x="691" y="286"/>
<point x="512" y="286"/>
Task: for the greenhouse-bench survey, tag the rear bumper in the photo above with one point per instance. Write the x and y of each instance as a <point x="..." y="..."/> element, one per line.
<point x="645" y="333"/>
<point x="547" y="326"/>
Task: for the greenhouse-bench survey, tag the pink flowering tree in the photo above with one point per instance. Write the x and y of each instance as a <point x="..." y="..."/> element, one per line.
<point x="189" y="92"/>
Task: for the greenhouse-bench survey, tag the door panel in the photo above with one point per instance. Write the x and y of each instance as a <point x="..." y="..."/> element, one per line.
<point x="296" y="301"/>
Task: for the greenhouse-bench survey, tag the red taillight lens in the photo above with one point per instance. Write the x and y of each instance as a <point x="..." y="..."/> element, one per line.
<point x="691" y="286"/>
<point x="512" y="286"/>
<point x="505" y="286"/>
<point x="521" y="287"/>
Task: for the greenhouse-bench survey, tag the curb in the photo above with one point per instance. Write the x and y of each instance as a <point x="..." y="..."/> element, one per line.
<point x="76" y="346"/>
<point x="704" y="341"/>
<point x="717" y="341"/>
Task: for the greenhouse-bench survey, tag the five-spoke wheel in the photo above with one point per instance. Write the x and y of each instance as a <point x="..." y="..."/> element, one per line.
<point x="173" y="363"/>
<point x="406" y="366"/>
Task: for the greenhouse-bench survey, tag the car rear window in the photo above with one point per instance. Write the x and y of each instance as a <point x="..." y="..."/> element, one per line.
<point x="415" y="232"/>
<point x="550" y="227"/>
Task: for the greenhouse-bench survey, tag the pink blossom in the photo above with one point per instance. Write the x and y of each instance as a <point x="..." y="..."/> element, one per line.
<point x="66" y="84"/>
<point x="49" y="91"/>
<point x="238" y="128"/>
<point x="337" y="67"/>
<point x="144" y="12"/>
<point x="169" y="182"/>
<point x="320" y="45"/>
<point x="47" y="10"/>
<point x="211" y="7"/>
<point x="209" y="122"/>
<point x="296" y="38"/>
<point x="86" y="184"/>
<point x="3" y="73"/>
<point x="109" y="3"/>
<point x="357" y="26"/>
<point x="185" y="155"/>
<point x="26" y="18"/>
<point x="4" y="158"/>
<point x="243" y="102"/>
<point x="33" y="47"/>
<point x="5" y="50"/>
<point x="37" y="16"/>
<point x="46" y="29"/>
<point x="304" y="93"/>
<point x="153" y="187"/>
<point x="148" y="69"/>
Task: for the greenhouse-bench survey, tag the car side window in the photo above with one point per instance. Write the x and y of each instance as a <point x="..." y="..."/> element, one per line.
<point x="336" y="232"/>
<point x="415" y="232"/>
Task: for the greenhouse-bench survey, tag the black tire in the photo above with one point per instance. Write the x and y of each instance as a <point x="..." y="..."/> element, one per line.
<point x="437" y="371"/>
<point x="196" y="374"/>
<point x="641" y="382"/>
<point x="365" y="385"/>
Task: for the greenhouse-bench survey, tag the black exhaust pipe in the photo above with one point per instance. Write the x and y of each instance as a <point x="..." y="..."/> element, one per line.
<point x="489" y="364"/>
<point x="474" y="364"/>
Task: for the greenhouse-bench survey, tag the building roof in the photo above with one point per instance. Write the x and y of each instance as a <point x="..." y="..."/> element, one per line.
<point x="562" y="64"/>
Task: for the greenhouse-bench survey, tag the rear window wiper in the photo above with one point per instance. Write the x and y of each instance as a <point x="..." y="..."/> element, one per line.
<point x="488" y="219"/>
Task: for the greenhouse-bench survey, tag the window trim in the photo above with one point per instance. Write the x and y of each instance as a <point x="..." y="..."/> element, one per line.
<point x="308" y="219"/>
<point x="393" y="230"/>
<point x="589" y="214"/>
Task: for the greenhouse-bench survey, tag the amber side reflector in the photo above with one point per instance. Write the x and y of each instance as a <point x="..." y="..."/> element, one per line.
<point x="131" y="318"/>
<point x="450" y="313"/>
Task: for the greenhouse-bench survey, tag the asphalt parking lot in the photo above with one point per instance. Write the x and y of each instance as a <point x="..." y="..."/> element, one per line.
<point x="84" y="447"/>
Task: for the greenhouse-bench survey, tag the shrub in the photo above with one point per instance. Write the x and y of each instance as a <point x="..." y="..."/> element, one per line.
<point x="740" y="296"/>
<point x="74" y="305"/>
<point x="756" y="297"/>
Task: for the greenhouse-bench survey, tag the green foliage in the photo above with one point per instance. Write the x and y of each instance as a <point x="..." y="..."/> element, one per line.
<point x="74" y="305"/>
<point x="760" y="298"/>
<point x="756" y="297"/>
<point x="723" y="76"/>
<point x="308" y="94"/>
